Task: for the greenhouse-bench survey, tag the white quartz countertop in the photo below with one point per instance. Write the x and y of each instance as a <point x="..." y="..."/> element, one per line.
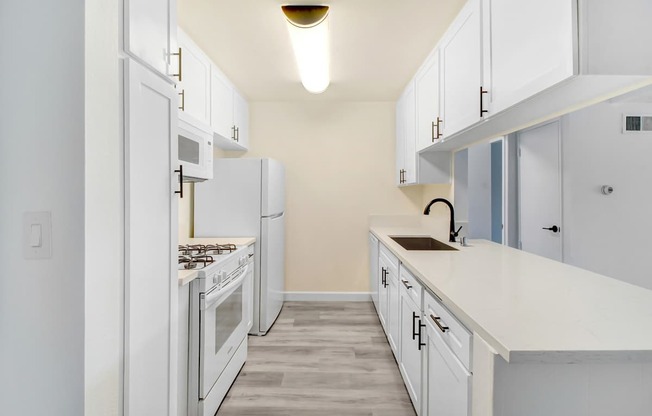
<point x="529" y="308"/>
<point x="187" y="276"/>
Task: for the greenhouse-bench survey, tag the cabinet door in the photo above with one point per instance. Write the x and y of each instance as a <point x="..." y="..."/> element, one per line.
<point x="410" y="361"/>
<point x="374" y="282"/>
<point x="410" y="114"/>
<point x="241" y="119"/>
<point x="532" y="47"/>
<point x="248" y="288"/>
<point x="222" y="105"/>
<point x="150" y="34"/>
<point x="383" y="295"/>
<point x="448" y="381"/>
<point x="195" y="84"/>
<point x="394" y="312"/>
<point x="150" y="233"/>
<point x="461" y="54"/>
<point x="400" y="140"/>
<point x="427" y="96"/>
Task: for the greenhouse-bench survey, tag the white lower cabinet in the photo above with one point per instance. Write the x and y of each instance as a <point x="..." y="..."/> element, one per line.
<point x="383" y="293"/>
<point x="393" y="319"/>
<point x="448" y="381"/>
<point x="432" y="348"/>
<point x="412" y="344"/>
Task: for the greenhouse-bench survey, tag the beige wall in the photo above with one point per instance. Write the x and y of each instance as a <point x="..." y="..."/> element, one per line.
<point x="340" y="162"/>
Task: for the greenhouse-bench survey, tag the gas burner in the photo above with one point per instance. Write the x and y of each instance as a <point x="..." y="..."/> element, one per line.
<point x="195" y="262"/>
<point x="220" y="248"/>
<point x="194" y="250"/>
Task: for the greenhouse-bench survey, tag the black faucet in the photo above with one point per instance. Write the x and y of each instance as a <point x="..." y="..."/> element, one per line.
<point x="453" y="233"/>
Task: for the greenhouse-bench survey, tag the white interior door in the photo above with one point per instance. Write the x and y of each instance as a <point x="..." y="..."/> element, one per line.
<point x="272" y="270"/>
<point x="539" y="179"/>
<point x="150" y="244"/>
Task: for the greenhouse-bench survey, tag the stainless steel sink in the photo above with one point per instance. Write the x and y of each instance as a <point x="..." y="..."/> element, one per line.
<point x="422" y="243"/>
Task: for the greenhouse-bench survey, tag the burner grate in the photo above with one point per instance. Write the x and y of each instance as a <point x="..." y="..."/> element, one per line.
<point x="191" y="256"/>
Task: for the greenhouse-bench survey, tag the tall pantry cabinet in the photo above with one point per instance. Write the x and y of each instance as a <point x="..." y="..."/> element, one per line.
<point x="151" y="186"/>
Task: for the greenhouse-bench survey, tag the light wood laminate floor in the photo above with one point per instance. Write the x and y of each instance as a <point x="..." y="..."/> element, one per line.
<point x="320" y="359"/>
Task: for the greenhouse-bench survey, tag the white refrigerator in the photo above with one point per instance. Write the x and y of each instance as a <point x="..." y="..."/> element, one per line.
<point x="245" y="198"/>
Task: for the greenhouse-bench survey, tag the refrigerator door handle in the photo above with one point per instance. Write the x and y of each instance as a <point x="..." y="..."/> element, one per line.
<point x="271" y="217"/>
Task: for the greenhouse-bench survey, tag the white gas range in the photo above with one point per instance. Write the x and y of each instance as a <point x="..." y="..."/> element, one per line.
<point x="221" y="314"/>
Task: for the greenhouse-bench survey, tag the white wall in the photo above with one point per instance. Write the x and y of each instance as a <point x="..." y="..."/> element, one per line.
<point x="607" y="234"/>
<point x="339" y="159"/>
<point x="42" y="169"/>
<point x="104" y="207"/>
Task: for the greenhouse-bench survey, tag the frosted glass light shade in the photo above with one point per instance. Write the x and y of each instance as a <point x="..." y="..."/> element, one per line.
<point x="311" y="50"/>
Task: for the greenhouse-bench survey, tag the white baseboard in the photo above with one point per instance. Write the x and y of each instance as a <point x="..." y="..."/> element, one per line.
<point x="328" y="296"/>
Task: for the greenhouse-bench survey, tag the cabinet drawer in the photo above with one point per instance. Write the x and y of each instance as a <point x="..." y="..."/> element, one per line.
<point x="411" y="285"/>
<point x="451" y="331"/>
<point x="390" y="259"/>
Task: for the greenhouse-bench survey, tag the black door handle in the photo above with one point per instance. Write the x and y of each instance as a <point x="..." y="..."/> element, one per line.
<point x="421" y="326"/>
<point x="414" y="318"/>
<point x="180" y="172"/>
<point x="554" y="229"/>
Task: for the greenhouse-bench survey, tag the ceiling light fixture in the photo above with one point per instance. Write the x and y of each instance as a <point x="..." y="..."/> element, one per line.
<point x="308" y="27"/>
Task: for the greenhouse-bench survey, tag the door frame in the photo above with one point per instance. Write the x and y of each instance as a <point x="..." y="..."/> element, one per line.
<point x="560" y="184"/>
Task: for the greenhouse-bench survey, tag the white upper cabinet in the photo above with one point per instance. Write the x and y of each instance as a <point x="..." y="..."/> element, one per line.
<point x="229" y="114"/>
<point x="512" y="64"/>
<point x="221" y="105"/>
<point x="150" y="35"/>
<point x="209" y="101"/>
<point x="241" y="119"/>
<point x="413" y="168"/>
<point x="410" y="163"/>
<point x="195" y="106"/>
<point x="461" y="54"/>
<point x="532" y="47"/>
<point x="406" y="156"/>
<point x="428" y="104"/>
<point x="400" y="140"/>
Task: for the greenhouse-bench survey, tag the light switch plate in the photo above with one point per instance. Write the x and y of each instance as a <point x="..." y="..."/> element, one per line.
<point x="37" y="235"/>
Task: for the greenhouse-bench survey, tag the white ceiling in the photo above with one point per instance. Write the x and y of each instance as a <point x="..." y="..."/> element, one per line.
<point x="376" y="45"/>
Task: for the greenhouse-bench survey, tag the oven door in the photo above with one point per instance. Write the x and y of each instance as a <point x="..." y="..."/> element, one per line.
<point x="195" y="154"/>
<point x="223" y="326"/>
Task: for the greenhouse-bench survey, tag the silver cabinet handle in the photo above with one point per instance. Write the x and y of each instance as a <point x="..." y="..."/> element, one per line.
<point x="180" y="55"/>
<point x="436" y="319"/>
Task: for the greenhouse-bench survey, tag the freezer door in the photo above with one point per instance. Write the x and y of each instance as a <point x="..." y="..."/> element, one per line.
<point x="272" y="270"/>
<point x="273" y="188"/>
<point x="229" y="205"/>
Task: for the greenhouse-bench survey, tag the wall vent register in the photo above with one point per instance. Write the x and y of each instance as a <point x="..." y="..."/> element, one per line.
<point x="637" y="123"/>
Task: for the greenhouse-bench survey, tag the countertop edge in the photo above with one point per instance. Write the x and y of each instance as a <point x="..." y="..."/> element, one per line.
<point x="512" y="356"/>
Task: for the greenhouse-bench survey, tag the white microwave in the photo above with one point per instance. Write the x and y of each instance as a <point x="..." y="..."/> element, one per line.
<point x="195" y="153"/>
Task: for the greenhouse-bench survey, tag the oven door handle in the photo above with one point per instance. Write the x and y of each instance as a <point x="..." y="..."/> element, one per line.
<point x="212" y="297"/>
